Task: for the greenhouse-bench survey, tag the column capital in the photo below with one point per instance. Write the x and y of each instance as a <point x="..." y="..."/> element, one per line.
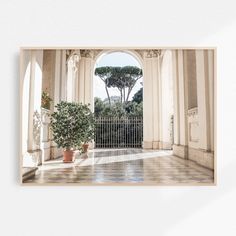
<point x="87" y="53"/>
<point x="154" y="53"/>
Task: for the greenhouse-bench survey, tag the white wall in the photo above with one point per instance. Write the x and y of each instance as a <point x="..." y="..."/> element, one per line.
<point x="119" y="211"/>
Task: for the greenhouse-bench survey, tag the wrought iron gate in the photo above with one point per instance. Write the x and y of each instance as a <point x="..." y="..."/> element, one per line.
<point x="115" y="132"/>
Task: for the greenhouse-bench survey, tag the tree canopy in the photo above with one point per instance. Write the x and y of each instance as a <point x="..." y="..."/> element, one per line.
<point x="122" y="78"/>
<point x="138" y="96"/>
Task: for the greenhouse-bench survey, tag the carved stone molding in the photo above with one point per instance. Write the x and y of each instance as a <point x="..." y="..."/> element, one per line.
<point x="140" y="52"/>
<point x="193" y="111"/>
<point x="96" y="52"/>
<point x="36" y="127"/>
<point x="45" y="116"/>
<point x="149" y="53"/>
<point x="90" y="53"/>
<point x="152" y="53"/>
<point x="87" y="53"/>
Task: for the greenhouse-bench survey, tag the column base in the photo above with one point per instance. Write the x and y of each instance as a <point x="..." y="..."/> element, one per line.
<point x="150" y="144"/>
<point x="32" y="158"/>
<point x="180" y="151"/>
<point x="147" y="144"/>
<point x="155" y="145"/>
<point x="46" y="151"/>
<point x="202" y="157"/>
<point x="165" y="145"/>
<point x="28" y="173"/>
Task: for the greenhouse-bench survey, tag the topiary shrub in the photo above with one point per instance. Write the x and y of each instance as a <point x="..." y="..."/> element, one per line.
<point x="71" y="125"/>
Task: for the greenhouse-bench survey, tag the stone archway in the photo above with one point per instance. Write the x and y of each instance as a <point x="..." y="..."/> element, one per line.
<point x="151" y="63"/>
<point x="31" y="88"/>
<point x="114" y="131"/>
<point x="102" y="53"/>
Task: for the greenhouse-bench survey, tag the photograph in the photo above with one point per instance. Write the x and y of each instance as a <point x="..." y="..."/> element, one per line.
<point x="117" y="116"/>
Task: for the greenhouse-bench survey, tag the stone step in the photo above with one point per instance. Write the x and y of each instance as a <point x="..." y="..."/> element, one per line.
<point x="28" y="172"/>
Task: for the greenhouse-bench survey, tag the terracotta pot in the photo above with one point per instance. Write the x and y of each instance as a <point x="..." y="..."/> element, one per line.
<point x="68" y="156"/>
<point x="85" y="147"/>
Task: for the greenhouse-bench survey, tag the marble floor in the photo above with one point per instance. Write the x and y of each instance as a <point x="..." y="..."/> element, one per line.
<point x="124" y="166"/>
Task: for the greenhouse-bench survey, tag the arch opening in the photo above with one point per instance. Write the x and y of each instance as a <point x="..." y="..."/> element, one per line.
<point x="118" y="89"/>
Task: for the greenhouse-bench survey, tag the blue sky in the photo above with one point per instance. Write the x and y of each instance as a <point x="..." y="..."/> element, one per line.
<point x="114" y="59"/>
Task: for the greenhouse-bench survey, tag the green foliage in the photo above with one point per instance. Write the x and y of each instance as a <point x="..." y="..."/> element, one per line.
<point x="134" y="109"/>
<point x="122" y="78"/>
<point x="138" y="96"/>
<point x="45" y="100"/>
<point x="117" y="109"/>
<point x="99" y="106"/>
<point x="72" y="124"/>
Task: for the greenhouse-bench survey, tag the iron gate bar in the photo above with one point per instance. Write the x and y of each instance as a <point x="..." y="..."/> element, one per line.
<point x="115" y="132"/>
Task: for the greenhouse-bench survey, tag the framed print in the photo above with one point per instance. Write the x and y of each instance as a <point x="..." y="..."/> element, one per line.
<point x="117" y="116"/>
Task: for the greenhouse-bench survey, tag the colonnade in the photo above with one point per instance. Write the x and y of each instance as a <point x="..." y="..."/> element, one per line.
<point x="178" y="98"/>
<point x="179" y="84"/>
<point x="193" y="76"/>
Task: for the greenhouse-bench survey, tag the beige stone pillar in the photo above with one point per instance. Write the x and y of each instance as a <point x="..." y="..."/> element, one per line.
<point x="157" y="101"/>
<point x="31" y="101"/>
<point x="81" y="78"/>
<point x="180" y="87"/>
<point x="34" y="109"/>
<point x="85" y="78"/>
<point x="203" y="99"/>
<point x="166" y="100"/>
<point x="57" y="78"/>
<point x="147" y="104"/>
<point x="204" y="152"/>
<point x="63" y="75"/>
<point x="151" y="100"/>
<point x="88" y="82"/>
<point x="183" y="104"/>
<point x="69" y="81"/>
<point x="211" y="96"/>
<point x="58" y="91"/>
<point x="176" y="98"/>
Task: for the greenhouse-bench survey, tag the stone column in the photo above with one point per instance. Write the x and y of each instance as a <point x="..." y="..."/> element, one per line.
<point x="81" y="78"/>
<point x="31" y="101"/>
<point x="211" y="84"/>
<point x="157" y="101"/>
<point x="151" y="99"/>
<point x="84" y="84"/>
<point x="69" y="81"/>
<point x="57" y="80"/>
<point x="203" y="99"/>
<point x="147" y="104"/>
<point x="34" y="111"/>
<point x="176" y="98"/>
<point x="85" y="78"/>
<point x="88" y="83"/>
<point x="205" y="94"/>
<point x="45" y="139"/>
<point x="180" y="114"/>
<point x="63" y="75"/>
<point x="166" y="100"/>
<point x="183" y="101"/>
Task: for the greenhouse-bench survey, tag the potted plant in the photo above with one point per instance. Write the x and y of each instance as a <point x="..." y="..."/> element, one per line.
<point x="45" y="100"/>
<point x="69" y="125"/>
